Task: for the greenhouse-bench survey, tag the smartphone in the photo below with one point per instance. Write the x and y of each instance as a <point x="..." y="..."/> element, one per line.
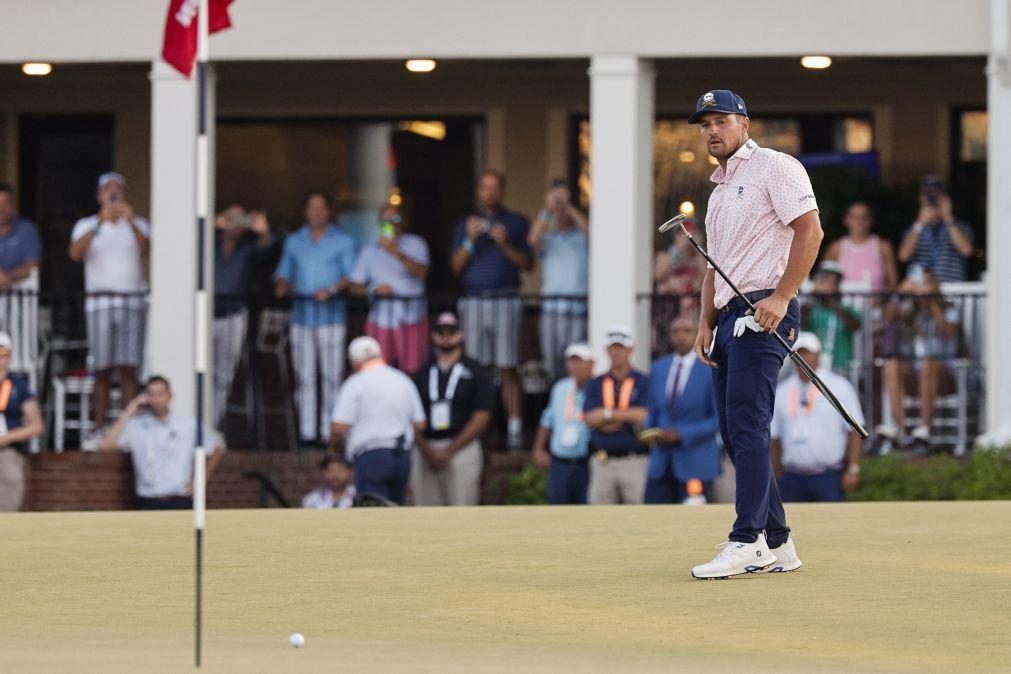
<point x="387" y="229"/>
<point x="916" y="274"/>
<point x="114" y="198"/>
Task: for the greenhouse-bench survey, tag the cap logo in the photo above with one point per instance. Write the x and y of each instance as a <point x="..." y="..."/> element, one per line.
<point x="709" y="99"/>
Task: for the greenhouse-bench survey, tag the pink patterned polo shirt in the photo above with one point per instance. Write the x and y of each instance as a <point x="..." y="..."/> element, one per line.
<point x="747" y="225"/>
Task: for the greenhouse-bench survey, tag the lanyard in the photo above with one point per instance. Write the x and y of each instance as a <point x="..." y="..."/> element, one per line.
<point x="795" y="399"/>
<point x="5" y="394"/>
<point x="433" y="382"/>
<point x="607" y="389"/>
<point x="571" y="413"/>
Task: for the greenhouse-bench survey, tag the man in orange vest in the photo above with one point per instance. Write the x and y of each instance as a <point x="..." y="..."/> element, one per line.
<point x="615" y="409"/>
<point x="20" y="421"/>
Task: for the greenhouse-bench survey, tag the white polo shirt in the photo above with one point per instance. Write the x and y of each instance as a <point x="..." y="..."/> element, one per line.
<point x="113" y="263"/>
<point x="812" y="433"/>
<point x="163" y="451"/>
<point x="381" y="406"/>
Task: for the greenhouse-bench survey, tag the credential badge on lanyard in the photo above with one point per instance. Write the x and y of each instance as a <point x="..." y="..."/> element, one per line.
<point x="441" y="405"/>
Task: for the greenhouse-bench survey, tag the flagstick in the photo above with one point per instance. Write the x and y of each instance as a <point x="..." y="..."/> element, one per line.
<point x="201" y="309"/>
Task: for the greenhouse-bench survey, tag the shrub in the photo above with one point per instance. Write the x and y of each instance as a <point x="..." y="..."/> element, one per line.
<point x="984" y="474"/>
<point x="528" y="487"/>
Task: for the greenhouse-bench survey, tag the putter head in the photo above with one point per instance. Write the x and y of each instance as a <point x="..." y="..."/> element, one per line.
<point x="677" y="220"/>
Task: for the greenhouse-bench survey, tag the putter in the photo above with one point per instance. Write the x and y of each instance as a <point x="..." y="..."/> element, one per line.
<point x="679" y="221"/>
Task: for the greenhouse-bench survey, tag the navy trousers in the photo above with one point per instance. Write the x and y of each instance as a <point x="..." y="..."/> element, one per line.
<point x="744" y="387"/>
<point x="568" y="482"/>
<point x="383" y="472"/>
<point x="812" y="488"/>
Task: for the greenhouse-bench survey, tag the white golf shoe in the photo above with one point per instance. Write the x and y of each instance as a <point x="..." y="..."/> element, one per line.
<point x="786" y="558"/>
<point x="735" y="559"/>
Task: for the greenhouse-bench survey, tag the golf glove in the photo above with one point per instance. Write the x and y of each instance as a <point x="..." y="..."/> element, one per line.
<point x="746" y="323"/>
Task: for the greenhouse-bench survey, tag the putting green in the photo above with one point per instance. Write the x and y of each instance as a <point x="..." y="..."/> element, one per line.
<point x="918" y="587"/>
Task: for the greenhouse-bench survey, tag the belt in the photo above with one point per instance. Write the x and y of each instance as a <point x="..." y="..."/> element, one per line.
<point x="581" y="461"/>
<point x="812" y="471"/>
<point x="623" y="454"/>
<point x="737" y="303"/>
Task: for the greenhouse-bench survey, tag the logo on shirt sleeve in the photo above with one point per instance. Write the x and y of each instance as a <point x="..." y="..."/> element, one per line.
<point x="740" y="191"/>
<point x="806" y="197"/>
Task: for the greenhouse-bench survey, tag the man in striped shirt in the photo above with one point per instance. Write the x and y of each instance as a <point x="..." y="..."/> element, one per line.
<point x="937" y="241"/>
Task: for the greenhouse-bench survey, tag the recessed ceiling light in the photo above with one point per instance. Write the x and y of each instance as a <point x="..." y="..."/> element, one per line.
<point x="687" y="208"/>
<point x="37" y="69"/>
<point x="816" y="62"/>
<point x="420" y="65"/>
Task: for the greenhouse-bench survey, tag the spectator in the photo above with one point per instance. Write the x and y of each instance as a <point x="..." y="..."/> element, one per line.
<point x="235" y="256"/>
<point x="829" y="319"/>
<point x="567" y="461"/>
<point x="679" y="270"/>
<point x="815" y="454"/>
<point x="314" y="267"/>
<point x="864" y="257"/>
<point x="377" y="417"/>
<point x="114" y="245"/>
<point x="20" y="250"/>
<point x="924" y="338"/>
<point x="20" y="422"/>
<point x="338" y="489"/>
<point x="559" y="236"/>
<point x="936" y="241"/>
<point x="162" y="446"/>
<point x="490" y="251"/>
<point x="457" y="396"/>
<point x="615" y="405"/>
<point x="682" y="421"/>
<point x="396" y="266"/>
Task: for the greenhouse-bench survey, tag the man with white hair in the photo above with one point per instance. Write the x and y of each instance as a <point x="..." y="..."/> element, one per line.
<point x="815" y="454"/>
<point x="114" y="245"/>
<point x="377" y="416"/>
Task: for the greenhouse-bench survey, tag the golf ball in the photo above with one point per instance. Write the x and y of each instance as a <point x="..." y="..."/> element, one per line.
<point x="296" y="640"/>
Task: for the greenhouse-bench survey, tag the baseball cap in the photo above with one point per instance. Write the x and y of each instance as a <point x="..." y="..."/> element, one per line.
<point x="580" y="351"/>
<point x="808" y="341"/>
<point x="362" y="349"/>
<point x="6" y="342"/>
<point x="447" y="319"/>
<point x="619" y="334"/>
<point x="831" y="267"/>
<point x="111" y="176"/>
<point x="718" y="100"/>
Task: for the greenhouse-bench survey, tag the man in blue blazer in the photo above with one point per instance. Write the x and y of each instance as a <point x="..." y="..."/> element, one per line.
<point x="681" y="424"/>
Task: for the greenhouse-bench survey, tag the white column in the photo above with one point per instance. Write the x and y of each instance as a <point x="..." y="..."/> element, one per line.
<point x="621" y="205"/>
<point x="173" y="232"/>
<point x="998" y="206"/>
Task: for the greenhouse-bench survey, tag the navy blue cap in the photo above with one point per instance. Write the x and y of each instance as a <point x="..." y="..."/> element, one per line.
<point x="718" y="100"/>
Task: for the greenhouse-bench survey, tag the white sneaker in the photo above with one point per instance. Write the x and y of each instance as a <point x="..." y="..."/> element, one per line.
<point x="889" y="431"/>
<point x="786" y="558"/>
<point x="92" y="440"/>
<point x="736" y="559"/>
<point x="921" y="433"/>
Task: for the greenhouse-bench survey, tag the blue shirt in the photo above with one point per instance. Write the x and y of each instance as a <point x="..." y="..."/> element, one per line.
<point x="20" y="394"/>
<point x="570" y="437"/>
<point x="936" y="253"/>
<point x="565" y="269"/>
<point x="377" y="266"/>
<point x="314" y="265"/>
<point x="232" y="274"/>
<point x="489" y="268"/>
<point x="624" y="439"/>
<point x="20" y="245"/>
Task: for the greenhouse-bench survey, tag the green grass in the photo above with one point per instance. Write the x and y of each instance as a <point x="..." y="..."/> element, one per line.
<point x="917" y="587"/>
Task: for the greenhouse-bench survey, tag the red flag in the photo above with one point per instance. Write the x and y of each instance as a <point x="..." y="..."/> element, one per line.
<point x="179" y="48"/>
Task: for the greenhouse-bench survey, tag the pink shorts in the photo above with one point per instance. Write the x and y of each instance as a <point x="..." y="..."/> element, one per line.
<point x="405" y="346"/>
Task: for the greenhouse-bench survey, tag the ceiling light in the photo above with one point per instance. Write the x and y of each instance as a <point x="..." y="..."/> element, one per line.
<point x="687" y="209"/>
<point x="433" y="130"/>
<point x="816" y="62"/>
<point x="420" y="65"/>
<point x="687" y="156"/>
<point x="714" y="161"/>
<point x="37" y="69"/>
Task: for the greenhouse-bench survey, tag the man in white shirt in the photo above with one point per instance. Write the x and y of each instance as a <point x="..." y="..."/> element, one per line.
<point x="815" y="454"/>
<point x="338" y="489"/>
<point x="162" y="446"/>
<point x="377" y="417"/>
<point x="114" y="246"/>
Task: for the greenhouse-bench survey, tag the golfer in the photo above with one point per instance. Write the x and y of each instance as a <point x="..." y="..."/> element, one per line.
<point x="763" y="230"/>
